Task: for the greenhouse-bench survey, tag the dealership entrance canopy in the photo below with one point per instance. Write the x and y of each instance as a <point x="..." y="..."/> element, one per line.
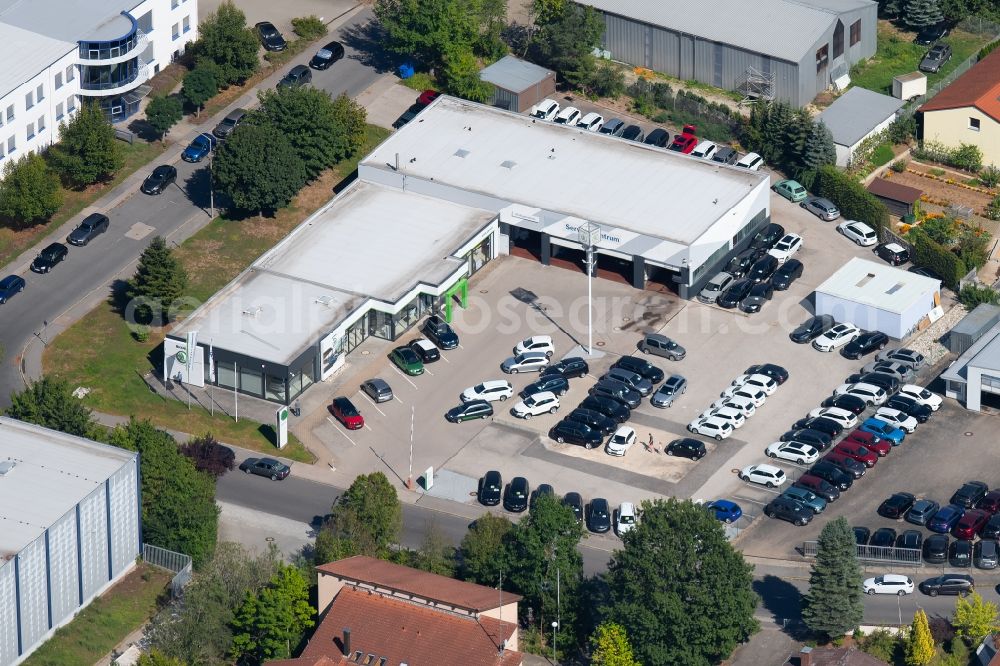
<point x="459" y="185"/>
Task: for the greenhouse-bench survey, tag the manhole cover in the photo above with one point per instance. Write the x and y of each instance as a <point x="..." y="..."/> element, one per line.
<point x="483" y="291"/>
<point x="735" y="471"/>
<point x="269" y="539"/>
<point x="472" y="494"/>
<point x="968" y="433"/>
<point x="365" y="352"/>
<point x="599" y="343"/>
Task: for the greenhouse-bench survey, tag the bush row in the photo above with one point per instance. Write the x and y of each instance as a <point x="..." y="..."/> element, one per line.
<point x="853" y="200"/>
<point x="937" y="257"/>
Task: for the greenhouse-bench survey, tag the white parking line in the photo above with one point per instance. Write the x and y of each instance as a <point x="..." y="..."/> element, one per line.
<point x="369" y="427"/>
<point x="396" y="398"/>
<point x="445" y="358"/>
<point x="403" y="375"/>
<point x="337" y="428"/>
<point x="428" y="371"/>
<point x="374" y="404"/>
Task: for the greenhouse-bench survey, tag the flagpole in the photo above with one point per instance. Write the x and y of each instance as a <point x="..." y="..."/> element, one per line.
<point x="211" y="374"/>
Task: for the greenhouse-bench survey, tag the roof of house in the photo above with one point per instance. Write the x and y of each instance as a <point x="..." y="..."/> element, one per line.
<point x="854" y="115"/>
<point x="878" y="285"/>
<point x="978" y="87"/>
<point x="837" y="656"/>
<point x="323" y="660"/>
<point x="785" y="29"/>
<point x="423" y="584"/>
<point x="983" y="354"/>
<point x="404" y="632"/>
<point x="887" y="189"/>
<point x="514" y="74"/>
<point x="52" y="473"/>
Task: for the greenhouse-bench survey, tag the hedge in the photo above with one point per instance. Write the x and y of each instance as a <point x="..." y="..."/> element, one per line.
<point x="937" y="257"/>
<point x="853" y="200"/>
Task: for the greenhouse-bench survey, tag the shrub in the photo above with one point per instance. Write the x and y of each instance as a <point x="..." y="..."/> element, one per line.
<point x="140" y="332"/>
<point x="880" y="644"/>
<point x="209" y="456"/>
<point x="933" y="151"/>
<point x="975" y="294"/>
<point x="992" y="210"/>
<point x="936" y="257"/>
<point x="988" y="49"/>
<point x="938" y="172"/>
<point x="882" y="155"/>
<point x="941" y="629"/>
<point x="903" y="129"/>
<point x="989" y="176"/>
<point x="899" y="166"/>
<point x="967" y="156"/>
<point x="853" y="200"/>
<point x="940" y="229"/>
<point x="607" y="81"/>
<point x="309" y="27"/>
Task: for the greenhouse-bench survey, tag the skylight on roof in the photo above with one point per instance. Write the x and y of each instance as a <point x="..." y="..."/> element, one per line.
<point x="865" y="280"/>
<point x="894" y="288"/>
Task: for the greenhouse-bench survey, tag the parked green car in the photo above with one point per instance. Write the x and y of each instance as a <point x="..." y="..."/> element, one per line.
<point x="791" y="190"/>
<point x="407" y="360"/>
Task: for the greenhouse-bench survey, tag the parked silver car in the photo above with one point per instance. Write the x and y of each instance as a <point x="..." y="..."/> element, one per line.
<point x="633" y="380"/>
<point x="378" y="390"/>
<point x="718" y="284"/>
<point x="661" y="345"/>
<point x="822" y="208"/>
<point x="665" y="395"/>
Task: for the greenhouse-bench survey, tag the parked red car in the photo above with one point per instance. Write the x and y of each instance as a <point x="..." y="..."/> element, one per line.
<point x="344" y="411"/>
<point x="970" y="524"/>
<point x="427" y="96"/>
<point x="991" y="502"/>
<point x="857" y="451"/>
<point x="871" y="441"/>
<point x="685" y="142"/>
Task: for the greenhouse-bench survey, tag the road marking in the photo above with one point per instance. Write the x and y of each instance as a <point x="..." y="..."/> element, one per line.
<point x="396" y="398"/>
<point x="353" y="443"/>
<point x="428" y="371"/>
<point x="403" y="375"/>
<point x="374" y="404"/>
<point x="369" y="427"/>
<point x="445" y="358"/>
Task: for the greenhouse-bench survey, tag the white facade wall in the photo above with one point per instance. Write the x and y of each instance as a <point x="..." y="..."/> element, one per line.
<point x="845" y="153"/>
<point x="727" y="226"/>
<point x="895" y="325"/>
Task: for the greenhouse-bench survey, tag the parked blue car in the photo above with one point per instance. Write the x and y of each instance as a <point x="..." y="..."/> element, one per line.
<point x="806" y="497"/>
<point x="945" y="519"/>
<point x="202" y="145"/>
<point x="884" y="430"/>
<point x="725" y="510"/>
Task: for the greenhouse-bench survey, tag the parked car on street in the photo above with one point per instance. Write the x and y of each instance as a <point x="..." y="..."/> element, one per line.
<point x="296" y="77"/>
<point x="267" y="467"/>
<point x="889" y="584"/>
<point x="199" y="148"/>
<point x="232" y="120"/>
<point x="953" y="584"/>
<point x="9" y="286"/>
<point x="90" y="228"/>
<point x="162" y="177"/>
<point x="49" y="257"/>
<point x="327" y="55"/>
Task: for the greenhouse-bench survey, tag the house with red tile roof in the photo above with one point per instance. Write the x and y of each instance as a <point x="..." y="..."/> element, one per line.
<point x="968" y="111"/>
<point x="376" y="613"/>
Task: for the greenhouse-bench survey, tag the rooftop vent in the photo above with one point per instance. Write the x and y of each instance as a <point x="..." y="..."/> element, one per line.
<point x="894" y="288"/>
<point x="6" y="466"/>
<point x="252" y="312"/>
<point x="461" y="152"/>
<point x="508" y="164"/>
<point x="865" y="280"/>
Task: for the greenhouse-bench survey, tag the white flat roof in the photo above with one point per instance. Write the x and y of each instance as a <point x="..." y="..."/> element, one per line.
<point x="607" y="180"/>
<point x="370" y="242"/>
<point x="878" y="285"/>
<point x="53" y="472"/>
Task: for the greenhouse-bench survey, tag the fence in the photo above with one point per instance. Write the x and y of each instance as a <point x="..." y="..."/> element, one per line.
<point x="889" y="236"/>
<point x="889" y="554"/>
<point x="125" y="136"/>
<point x="178" y="563"/>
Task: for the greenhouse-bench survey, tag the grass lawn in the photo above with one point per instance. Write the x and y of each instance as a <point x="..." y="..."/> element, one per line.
<point x="99" y="627"/>
<point x="13" y="243"/>
<point x="897" y="54"/>
<point x="99" y="351"/>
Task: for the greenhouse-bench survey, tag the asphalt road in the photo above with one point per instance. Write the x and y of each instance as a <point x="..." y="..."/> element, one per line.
<point x="89" y="271"/>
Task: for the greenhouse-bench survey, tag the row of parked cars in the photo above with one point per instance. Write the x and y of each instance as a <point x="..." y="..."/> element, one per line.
<point x="741" y="400"/>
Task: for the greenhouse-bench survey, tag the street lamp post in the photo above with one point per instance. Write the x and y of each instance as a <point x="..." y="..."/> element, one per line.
<point x="589" y="234"/>
<point x="211" y="183"/>
<point x="555" y="625"/>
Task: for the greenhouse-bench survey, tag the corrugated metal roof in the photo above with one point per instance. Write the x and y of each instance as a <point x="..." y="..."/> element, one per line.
<point x="785" y="29"/>
<point x="24" y="54"/>
<point x="878" y="285"/>
<point x="981" y="319"/>
<point x="856" y="113"/>
<point x="887" y="189"/>
<point x="984" y="354"/>
<point x="514" y="74"/>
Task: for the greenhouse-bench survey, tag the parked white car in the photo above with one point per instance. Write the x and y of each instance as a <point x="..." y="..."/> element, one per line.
<point x="592" y="121"/>
<point x="764" y="474"/>
<point x="842" y="416"/>
<point x="888" y="584"/>
<point x="526" y="362"/>
<point x="753" y="394"/>
<point x="786" y="247"/>
<point x="859" y="232"/>
<point x="745" y="405"/>
<point x="734" y="416"/>
<point x="568" y="116"/>
<point x="536" y="404"/>
<point x="762" y="382"/>
<point x="896" y="418"/>
<point x="491" y="391"/>
<point x="626" y="518"/>
<point x="711" y="426"/>
<point x="705" y="150"/>
<point x="620" y="442"/>
<point x="796" y="452"/>
<point x="536" y="343"/>
<point x="836" y="337"/>
<point x="871" y="394"/>
<point x="546" y="109"/>
<point x="751" y="161"/>
<point x="921" y="395"/>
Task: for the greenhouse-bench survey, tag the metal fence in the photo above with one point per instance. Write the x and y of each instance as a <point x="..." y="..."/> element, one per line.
<point x="178" y="563"/>
<point x="889" y="554"/>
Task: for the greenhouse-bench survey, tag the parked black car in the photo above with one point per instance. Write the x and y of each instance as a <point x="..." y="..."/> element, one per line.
<point x="440" y="332"/>
<point x="658" y="137"/>
<point x="864" y="344"/>
<point x="327" y="55"/>
<point x="911" y="539"/>
<point x="821" y="423"/>
<point x="930" y="34"/>
<point x="92" y="226"/>
<point x="892" y="253"/>
<point x="853" y="467"/>
<point x="851" y="403"/>
<point x="574" y="366"/>
<point x="960" y="553"/>
<point x="741" y="263"/>
<point x="490" y="488"/>
<point x="890" y="383"/>
<point x="555" y="383"/>
<point x="49" y="257"/>
<point x="775" y="372"/>
<point x="542" y="489"/>
<point x="862" y="535"/>
<point x="610" y="388"/>
<point x="812" y="328"/>
<point x="910" y="407"/>
<point x="268" y="467"/>
<point x="897" y="505"/>
<point x="884" y="537"/>
<point x="785" y="508"/>
<point x="515" y="497"/>
<point x="593" y="419"/>
<point x="10" y="285"/>
<point x="474" y="409"/>
<point x="726" y="155"/>
<point x="425" y="349"/>
<point x="991" y="530"/>
<point x="768" y="236"/>
<point x="755" y="299"/>
<point x="641" y="367"/>
<point x="297" y="77"/>
<point x="162" y="177"/>
<point x="270" y="37"/>
<point x="936" y="548"/>
<point x="818" y="440"/>
<point x="935" y="59"/>
<point x="598" y="515"/>
<point x="955" y="584"/>
<point x="575" y="502"/>
<point x="970" y="493"/>
<point x="737" y="291"/>
<point x="787" y="273"/>
<point x="831" y="473"/>
<point x="686" y="447"/>
<point x="633" y="133"/>
<point x="575" y="432"/>
<point x="610" y="408"/>
<point x="763" y="268"/>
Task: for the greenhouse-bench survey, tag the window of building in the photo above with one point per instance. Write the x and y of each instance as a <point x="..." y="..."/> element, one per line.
<point x="187" y="23"/>
<point x="40" y="92"/>
<point x="822" y="57"/>
<point x="41" y="124"/>
<point x="974" y="124"/>
<point x="71" y="104"/>
<point x="175" y="31"/>
<point x="10" y="113"/>
<point x="1" y="150"/>
<point x="855" y="32"/>
<point x="58" y="80"/>
<point x="174" y="4"/>
<point x="59" y="111"/>
<point x="29" y="100"/>
<point x="838" y="39"/>
<point x="70" y="73"/>
<point x="11" y="144"/>
<point x="30" y="131"/>
<point x="712" y="260"/>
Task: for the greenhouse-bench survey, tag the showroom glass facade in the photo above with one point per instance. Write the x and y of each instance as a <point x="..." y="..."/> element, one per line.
<point x="276" y="383"/>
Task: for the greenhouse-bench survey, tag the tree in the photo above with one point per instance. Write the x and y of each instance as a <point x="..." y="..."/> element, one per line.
<point x="87" y="151"/>
<point x="461" y="77"/>
<point x="226" y="40"/>
<point x="940" y="229"/>
<point x="795" y="136"/>
<point x="481" y="549"/>
<point x="975" y="294"/>
<point x="321" y="130"/>
<point x="819" y="152"/>
<point x="200" y="85"/>
<point x="158" y="282"/>
<point x="209" y="456"/>
<point x="268" y="623"/>
<point x="833" y="605"/>
<point x="989" y="176"/>
<point x="162" y="113"/>
<point x="309" y="27"/>
<point x="968" y="156"/>
<point x="679" y="589"/>
<point x="974" y="618"/>
<point x="426" y="29"/>
<point x="49" y="402"/>
<point x="368" y="516"/>
<point x="610" y="647"/>
<point x="992" y="210"/>
<point x="607" y="81"/>
<point x="29" y="192"/>
<point x="922" y="13"/>
<point x="566" y="44"/>
<point x="258" y="169"/>
<point x="546" y="567"/>
<point x="973" y="246"/>
<point x="178" y="501"/>
<point x="156" y="658"/>
<point x="919" y="642"/>
<point x="435" y="555"/>
<point x="548" y="11"/>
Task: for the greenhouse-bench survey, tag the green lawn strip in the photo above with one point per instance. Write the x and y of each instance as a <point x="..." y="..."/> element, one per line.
<point x="99" y="627"/>
<point x="895" y="56"/>
<point x="420" y="81"/>
<point x="13" y="244"/>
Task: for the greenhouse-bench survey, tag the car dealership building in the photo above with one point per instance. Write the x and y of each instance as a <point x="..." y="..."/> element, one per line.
<point x="456" y="187"/>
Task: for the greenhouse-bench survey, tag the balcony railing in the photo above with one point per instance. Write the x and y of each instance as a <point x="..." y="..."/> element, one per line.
<point x="100" y="88"/>
<point x="94" y="54"/>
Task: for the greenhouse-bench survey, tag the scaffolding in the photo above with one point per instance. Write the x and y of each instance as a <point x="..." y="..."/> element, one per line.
<point x="756" y="85"/>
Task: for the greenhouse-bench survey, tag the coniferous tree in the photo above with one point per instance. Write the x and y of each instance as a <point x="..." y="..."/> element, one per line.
<point x="158" y="282"/>
<point x="919" y="14"/>
<point x="49" y="402"/>
<point x="919" y="642"/>
<point x="833" y="605"/>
